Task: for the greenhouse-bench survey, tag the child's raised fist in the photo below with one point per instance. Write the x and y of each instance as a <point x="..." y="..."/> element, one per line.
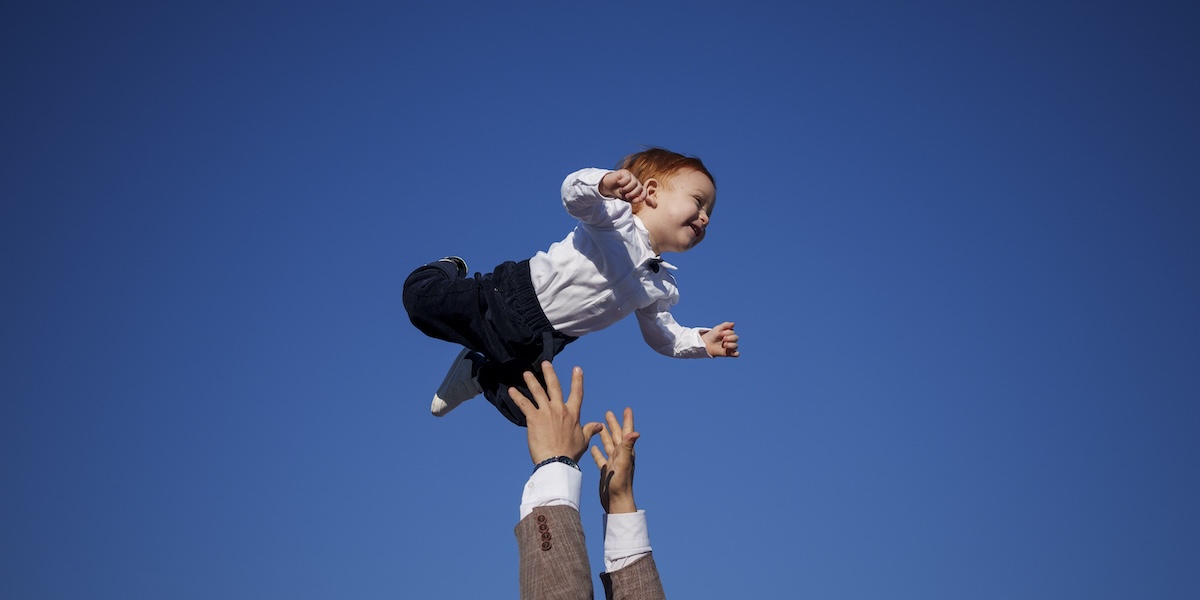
<point x="622" y="185"/>
<point x="721" y="340"/>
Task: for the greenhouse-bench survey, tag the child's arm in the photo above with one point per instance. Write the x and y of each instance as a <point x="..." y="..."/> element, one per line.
<point x="667" y="337"/>
<point x="595" y="195"/>
<point x="721" y="340"/>
<point x="623" y="185"/>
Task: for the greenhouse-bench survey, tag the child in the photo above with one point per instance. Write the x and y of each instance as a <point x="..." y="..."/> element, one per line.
<point x="607" y="268"/>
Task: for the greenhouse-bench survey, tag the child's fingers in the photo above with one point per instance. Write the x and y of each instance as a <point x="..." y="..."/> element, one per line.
<point x="730" y="344"/>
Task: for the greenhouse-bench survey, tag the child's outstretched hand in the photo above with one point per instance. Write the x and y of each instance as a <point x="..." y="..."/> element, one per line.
<point x="721" y="340"/>
<point x="622" y="185"/>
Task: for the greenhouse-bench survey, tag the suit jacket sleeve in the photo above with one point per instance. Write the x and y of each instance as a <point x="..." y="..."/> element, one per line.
<point x="554" y="563"/>
<point x="638" y="581"/>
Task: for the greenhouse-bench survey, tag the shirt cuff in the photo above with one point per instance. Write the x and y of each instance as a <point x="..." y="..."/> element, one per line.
<point x="555" y="484"/>
<point x="626" y="539"/>
<point x="688" y="344"/>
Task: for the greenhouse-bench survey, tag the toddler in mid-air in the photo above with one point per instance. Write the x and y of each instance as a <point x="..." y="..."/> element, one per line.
<point x="608" y="267"/>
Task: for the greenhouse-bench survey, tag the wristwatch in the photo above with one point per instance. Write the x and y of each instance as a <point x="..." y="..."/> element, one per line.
<point x="566" y="460"/>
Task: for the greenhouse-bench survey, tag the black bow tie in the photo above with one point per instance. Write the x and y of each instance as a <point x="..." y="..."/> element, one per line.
<point x="654" y="263"/>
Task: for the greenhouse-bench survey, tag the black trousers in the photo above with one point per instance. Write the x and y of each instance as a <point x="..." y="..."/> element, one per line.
<point x="497" y="315"/>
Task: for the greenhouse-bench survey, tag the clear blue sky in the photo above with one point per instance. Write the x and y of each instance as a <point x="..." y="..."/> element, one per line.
<point x="959" y="240"/>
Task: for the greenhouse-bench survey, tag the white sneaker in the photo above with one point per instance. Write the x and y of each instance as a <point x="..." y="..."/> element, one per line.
<point x="460" y="384"/>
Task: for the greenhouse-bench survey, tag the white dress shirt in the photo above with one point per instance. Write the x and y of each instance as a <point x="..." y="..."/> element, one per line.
<point x="601" y="272"/>
<point x="626" y="537"/>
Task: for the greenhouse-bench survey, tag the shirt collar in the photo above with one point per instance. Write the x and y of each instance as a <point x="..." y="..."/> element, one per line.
<point x="649" y="259"/>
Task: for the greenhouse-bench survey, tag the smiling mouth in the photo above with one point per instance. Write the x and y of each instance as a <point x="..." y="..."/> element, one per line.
<point x="696" y="230"/>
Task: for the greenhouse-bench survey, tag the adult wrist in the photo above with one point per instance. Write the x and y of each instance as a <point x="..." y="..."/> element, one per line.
<point x="618" y="506"/>
<point x="566" y="460"/>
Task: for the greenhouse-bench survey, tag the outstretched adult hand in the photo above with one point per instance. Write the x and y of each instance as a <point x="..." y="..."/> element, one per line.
<point x="616" y="471"/>
<point x="553" y="426"/>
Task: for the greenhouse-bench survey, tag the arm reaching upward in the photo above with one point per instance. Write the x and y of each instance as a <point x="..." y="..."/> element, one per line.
<point x="616" y="471"/>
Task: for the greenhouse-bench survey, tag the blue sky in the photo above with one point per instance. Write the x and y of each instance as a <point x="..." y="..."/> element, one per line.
<point x="959" y="241"/>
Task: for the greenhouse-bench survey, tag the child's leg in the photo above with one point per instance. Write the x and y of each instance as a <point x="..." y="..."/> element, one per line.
<point x="445" y="305"/>
<point x="496" y="378"/>
<point x="495" y="382"/>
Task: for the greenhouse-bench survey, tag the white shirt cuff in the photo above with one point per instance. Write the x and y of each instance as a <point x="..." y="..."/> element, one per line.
<point x="555" y="484"/>
<point x="626" y="539"/>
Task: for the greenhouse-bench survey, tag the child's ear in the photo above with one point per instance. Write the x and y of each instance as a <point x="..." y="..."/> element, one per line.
<point x="651" y="186"/>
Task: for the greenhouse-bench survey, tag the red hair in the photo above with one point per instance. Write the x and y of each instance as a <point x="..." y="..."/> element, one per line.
<point x="661" y="164"/>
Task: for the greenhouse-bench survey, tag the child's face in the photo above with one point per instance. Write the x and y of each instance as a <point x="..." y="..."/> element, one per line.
<point x="684" y="202"/>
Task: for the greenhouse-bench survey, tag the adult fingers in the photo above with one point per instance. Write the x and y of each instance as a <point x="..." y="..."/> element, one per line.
<point x="535" y="388"/>
<point x="523" y="403"/>
<point x="629" y="440"/>
<point x="598" y="458"/>
<point x="575" y="400"/>
<point x="553" y="387"/>
<point x="627" y="427"/>
<point x="592" y="429"/>
<point x="617" y="429"/>
<point x="607" y="441"/>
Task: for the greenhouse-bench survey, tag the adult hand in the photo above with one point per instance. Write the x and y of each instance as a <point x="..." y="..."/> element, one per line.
<point x="721" y="340"/>
<point x="616" y="471"/>
<point x="553" y="426"/>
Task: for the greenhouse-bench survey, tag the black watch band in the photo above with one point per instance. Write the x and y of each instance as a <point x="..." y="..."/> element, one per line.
<point x="566" y="460"/>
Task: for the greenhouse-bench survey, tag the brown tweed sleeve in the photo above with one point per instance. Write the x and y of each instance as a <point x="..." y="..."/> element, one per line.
<point x="554" y="563"/>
